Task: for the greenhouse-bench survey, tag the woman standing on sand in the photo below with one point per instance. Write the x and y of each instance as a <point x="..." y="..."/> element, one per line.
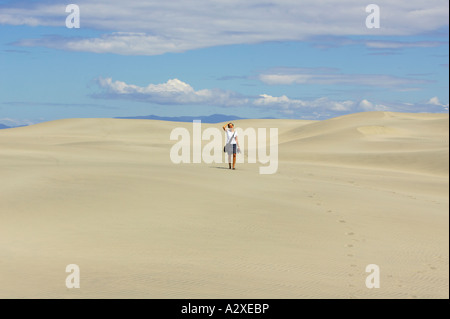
<point x="232" y="141"/>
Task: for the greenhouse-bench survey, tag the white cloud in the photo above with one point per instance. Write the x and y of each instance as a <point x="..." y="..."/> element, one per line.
<point x="125" y="43"/>
<point x="432" y="106"/>
<point x="323" y="76"/>
<point x="400" y="45"/>
<point x="365" y="105"/>
<point x="173" y="92"/>
<point x="324" y="108"/>
<point x="287" y="105"/>
<point x="177" y="92"/>
<point x="435" y="101"/>
<point x="33" y="15"/>
<point x="388" y="46"/>
<point x="155" y="27"/>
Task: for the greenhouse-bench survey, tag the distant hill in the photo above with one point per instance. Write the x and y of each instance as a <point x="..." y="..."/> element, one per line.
<point x="3" y="126"/>
<point x="215" y="118"/>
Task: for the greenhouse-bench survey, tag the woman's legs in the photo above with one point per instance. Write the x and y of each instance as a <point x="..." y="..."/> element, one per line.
<point x="234" y="156"/>
<point x="232" y="151"/>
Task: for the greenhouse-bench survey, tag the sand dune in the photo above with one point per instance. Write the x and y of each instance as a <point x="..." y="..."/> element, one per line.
<point x="366" y="188"/>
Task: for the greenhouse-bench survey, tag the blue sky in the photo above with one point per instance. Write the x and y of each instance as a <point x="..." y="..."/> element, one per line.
<point x="282" y="59"/>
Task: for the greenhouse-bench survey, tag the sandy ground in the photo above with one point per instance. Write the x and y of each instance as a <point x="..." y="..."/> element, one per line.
<point x="367" y="188"/>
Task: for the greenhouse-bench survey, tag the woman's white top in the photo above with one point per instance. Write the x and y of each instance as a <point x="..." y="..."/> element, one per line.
<point x="230" y="135"/>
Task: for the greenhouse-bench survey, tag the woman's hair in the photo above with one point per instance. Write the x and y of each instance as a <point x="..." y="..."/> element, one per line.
<point x="230" y="124"/>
